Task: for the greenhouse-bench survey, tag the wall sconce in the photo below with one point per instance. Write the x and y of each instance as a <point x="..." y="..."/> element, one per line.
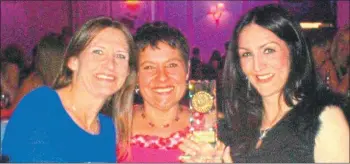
<point x="132" y="5"/>
<point x="216" y="12"/>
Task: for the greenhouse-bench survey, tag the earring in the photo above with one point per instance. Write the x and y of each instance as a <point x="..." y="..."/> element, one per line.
<point x="137" y="89"/>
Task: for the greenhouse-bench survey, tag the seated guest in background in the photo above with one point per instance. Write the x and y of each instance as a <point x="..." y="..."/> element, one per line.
<point x="66" y="34"/>
<point x="340" y="53"/>
<point x="270" y="77"/>
<point x="48" y="60"/>
<point x="29" y="63"/>
<point x="64" y="125"/>
<point x="212" y="70"/>
<point x="160" y="123"/>
<point x="196" y="65"/>
<point x="321" y="45"/>
<point x="12" y="63"/>
<point x="321" y="41"/>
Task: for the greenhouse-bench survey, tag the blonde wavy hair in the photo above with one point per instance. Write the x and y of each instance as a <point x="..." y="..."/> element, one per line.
<point x="119" y="105"/>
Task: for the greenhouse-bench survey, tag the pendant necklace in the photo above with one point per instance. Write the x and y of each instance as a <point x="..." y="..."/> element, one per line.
<point x="261" y="137"/>
<point x="264" y="132"/>
<point x="151" y="124"/>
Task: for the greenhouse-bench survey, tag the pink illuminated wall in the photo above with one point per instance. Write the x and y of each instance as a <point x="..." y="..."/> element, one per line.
<point x="24" y="22"/>
<point x="343" y="14"/>
<point x="192" y="18"/>
<point x="85" y="10"/>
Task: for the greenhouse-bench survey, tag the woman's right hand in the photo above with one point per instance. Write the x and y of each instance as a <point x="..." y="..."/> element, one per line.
<point x="201" y="152"/>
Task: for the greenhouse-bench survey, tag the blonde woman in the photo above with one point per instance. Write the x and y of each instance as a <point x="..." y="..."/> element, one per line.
<point x="64" y="124"/>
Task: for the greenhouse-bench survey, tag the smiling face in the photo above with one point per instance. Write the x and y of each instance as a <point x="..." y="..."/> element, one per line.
<point x="162" y="76"/>
<point x="264" y="59"/>
<point x="102" y="67"/>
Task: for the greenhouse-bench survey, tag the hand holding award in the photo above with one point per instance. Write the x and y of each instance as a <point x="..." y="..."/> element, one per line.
<point x="203" y="102"/>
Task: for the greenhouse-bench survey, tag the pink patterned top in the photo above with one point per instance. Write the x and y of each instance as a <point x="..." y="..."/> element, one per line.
<point x="152" y="149"/>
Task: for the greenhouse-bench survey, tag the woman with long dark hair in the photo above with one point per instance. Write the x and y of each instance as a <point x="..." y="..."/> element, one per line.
<point x="277" y="107"/>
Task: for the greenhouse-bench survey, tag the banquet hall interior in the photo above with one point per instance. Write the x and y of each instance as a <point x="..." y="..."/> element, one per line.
<point x="207" y="25"/>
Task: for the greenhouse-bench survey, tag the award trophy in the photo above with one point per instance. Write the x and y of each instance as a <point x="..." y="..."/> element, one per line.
<point x="202" y="95"/>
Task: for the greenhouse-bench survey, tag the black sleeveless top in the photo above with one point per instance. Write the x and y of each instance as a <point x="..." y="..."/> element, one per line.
<point x="292" y="139"/>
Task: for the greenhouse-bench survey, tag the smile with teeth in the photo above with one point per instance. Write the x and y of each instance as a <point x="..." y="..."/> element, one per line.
<point x="263" y="77"/>
<point x="105" y="77"/>
<point x="163" y="90"/>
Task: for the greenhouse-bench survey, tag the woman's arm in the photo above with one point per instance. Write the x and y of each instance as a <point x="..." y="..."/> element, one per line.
<point x="10" y="83"/>
<point x="328" y="68"/>
<point x="332" y="140"/>
<point x="339" y="86"/>
<point x="344" y="84"/>
<point x="13" y="75"/>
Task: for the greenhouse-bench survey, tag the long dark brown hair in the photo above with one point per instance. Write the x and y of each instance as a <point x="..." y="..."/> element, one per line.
<point x="243" y="106"/>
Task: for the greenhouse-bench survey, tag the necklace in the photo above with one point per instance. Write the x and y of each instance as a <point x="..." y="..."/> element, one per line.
<point x="81" y="122"/>
<point x="264" y="132"/>
<point x="151" y="124"/>
<point x="261" y="137"/>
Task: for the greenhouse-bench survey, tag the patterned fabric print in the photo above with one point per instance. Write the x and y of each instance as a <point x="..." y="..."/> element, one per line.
<point x="171" y="142"/>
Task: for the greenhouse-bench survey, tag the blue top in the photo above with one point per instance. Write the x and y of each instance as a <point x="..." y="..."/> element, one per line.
<point x="40" y="130"/>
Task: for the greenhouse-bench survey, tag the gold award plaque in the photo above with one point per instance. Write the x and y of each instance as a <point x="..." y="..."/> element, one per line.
<point x="202" y="102"/>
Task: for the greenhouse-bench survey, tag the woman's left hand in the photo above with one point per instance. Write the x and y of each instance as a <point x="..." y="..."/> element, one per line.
<point x="202" y="152"/>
